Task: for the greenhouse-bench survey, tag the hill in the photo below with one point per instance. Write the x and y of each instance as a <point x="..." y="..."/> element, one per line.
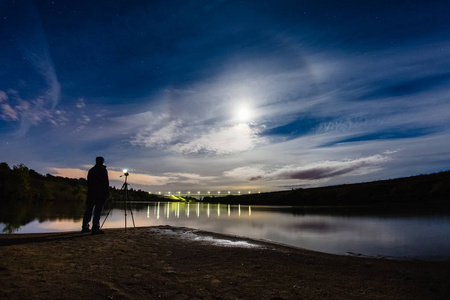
<point x="422" y="190"/>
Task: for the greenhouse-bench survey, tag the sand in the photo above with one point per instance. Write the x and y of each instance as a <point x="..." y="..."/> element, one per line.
<point x="180" y="263"/>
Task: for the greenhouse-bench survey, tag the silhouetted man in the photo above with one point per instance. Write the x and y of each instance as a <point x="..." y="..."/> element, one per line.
<point x="98" y="192"/>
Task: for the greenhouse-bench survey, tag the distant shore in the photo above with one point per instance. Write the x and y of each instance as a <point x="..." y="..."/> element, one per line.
<point x="415" y="192"/>
<point x="181" y="263"/>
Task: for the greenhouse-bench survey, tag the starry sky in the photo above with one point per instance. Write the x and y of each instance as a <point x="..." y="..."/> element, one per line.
<point x="226" y="95"/>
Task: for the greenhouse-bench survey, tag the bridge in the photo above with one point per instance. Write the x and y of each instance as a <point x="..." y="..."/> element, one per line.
<point x="180" y="196"/>
<point x="203" y="194"/>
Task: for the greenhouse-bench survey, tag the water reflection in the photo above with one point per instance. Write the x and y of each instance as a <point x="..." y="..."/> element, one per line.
<point x="329" y="230"/>
<point x="201" y="209"/>
<point x="15" y="216"/>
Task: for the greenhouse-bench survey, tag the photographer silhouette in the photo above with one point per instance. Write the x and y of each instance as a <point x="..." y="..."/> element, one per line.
<point x="97" y="193"/>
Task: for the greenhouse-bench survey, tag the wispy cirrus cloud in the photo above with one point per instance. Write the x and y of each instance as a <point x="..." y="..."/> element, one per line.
<point x="30" y="109"/>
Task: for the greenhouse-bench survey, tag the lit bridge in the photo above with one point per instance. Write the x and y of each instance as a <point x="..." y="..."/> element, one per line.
<point x="203" y="194"/>
<point x="180" y="196"/>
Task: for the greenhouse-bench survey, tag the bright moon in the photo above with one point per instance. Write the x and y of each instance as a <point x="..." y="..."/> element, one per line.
<point x="244" y="114"/>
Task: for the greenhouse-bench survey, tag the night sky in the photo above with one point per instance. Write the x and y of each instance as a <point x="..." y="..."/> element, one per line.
<point x="226" y="95"/>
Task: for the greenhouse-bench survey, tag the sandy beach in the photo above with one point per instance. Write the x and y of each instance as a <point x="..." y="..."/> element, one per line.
<point x="181" y="263"/>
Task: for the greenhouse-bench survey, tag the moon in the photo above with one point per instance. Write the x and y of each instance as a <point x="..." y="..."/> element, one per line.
<point x="244" y="114"/>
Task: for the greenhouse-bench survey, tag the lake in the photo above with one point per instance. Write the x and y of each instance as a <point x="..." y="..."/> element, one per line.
<point x="331" y="230"/>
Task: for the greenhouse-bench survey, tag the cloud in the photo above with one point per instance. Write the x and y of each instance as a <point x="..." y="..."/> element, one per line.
<point x="311" y="172"/>
<point x="190" y="178"/>
<point x="3" y="96"/>
<point x="163" y="136"/>
<point x="352" y="104"/>
<point x="29" y="113"/>
<point x="31" y="41"/>
<point x="81" y="104"/>
<point x="222" y="141"/>
<point x="392" y="151"/>
<point x="245" y="173"/>
<point x="193" y="137"/>
<point x="83" y="119"/>
<point x="201" y="119"/>
<point x="329" y="169"/>
<point x="8" y="113"/>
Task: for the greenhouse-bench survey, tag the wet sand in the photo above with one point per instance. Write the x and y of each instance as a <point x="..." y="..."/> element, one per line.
<point x="180" y="263"/>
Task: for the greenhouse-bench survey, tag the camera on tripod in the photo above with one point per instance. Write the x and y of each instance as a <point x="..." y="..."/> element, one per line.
<point x="126" y="201"/>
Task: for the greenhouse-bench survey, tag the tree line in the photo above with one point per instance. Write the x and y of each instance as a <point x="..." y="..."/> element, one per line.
<point x="20" y="183"/>
<point x="430" y="191"/>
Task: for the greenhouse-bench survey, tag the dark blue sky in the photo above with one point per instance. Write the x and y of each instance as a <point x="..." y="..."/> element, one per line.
<point x="226" y="95"/>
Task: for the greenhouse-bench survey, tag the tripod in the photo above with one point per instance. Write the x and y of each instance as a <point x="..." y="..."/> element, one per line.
<point x="127" y="202"/>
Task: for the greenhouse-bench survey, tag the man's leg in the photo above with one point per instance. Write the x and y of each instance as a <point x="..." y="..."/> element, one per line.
<point x="87" y="216"/>
<point x="97" y="213"/>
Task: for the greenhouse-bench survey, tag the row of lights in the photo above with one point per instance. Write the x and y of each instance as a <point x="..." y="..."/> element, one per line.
<point x="198" y="193"/>
<point x="125" y="173"/>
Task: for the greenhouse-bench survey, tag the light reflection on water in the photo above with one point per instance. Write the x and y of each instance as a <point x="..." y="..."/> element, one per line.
<point x="404" y="236"/>
<point x="168" y="208"/>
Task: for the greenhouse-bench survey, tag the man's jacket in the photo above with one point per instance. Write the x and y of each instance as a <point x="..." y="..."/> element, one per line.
<point x="98" y="184"/>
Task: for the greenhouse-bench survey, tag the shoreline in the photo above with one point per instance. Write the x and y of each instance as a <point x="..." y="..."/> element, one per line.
<point x="183" y="263"/>
<point x="42" y="236"/>
<point x="9" y="236"/>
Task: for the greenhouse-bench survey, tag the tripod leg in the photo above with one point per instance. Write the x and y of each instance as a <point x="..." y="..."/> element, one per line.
<point x="127" y="204"/>
<point x="110" y="201"/>
<point x="125" y="215"/>
<point x="125" y="197"/>
<point x="106" y="218"/>
<point x="131" y="211"/>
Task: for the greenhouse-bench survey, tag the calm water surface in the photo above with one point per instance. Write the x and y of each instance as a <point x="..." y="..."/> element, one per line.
<point x="399" y="236"/>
